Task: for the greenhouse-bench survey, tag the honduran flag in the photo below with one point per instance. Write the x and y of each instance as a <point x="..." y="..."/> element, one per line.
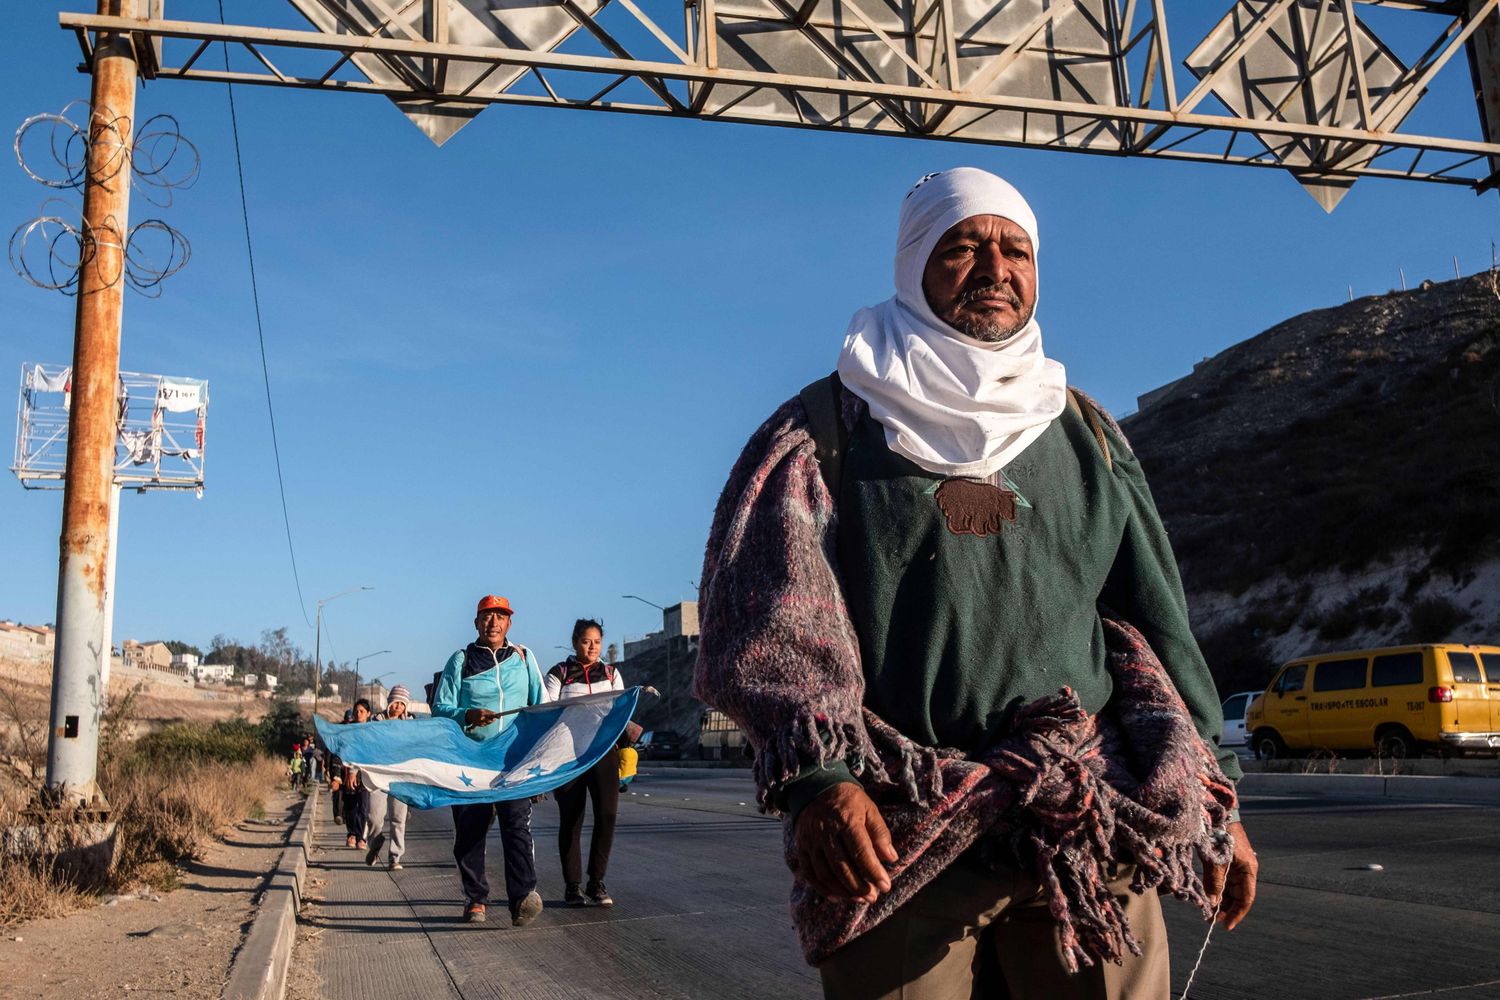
<point x="428" y="763"/>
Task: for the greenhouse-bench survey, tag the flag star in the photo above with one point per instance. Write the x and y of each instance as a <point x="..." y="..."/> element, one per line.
<point x="465" y="779"/>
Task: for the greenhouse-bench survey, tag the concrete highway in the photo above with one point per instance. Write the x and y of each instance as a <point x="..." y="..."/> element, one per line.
<point x="701" y="912"/>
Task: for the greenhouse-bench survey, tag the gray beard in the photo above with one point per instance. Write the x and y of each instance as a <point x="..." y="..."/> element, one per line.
<point x="991" y="331"/>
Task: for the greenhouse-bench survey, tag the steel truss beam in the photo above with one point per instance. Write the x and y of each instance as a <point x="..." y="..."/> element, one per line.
<point x="913" y="68"/>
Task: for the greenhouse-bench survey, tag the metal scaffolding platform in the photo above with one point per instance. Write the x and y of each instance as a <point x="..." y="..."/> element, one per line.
<point x="1302" y="85"/>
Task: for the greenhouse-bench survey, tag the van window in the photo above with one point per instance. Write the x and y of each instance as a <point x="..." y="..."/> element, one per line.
<point x="1234" y="708"/>
<point x="1465" y="668"/>
<point x="1491" y="666"/>
<point x="1292" y="678"/>
<point x="1396" y="668"/>
<point x="1340" y="675"/>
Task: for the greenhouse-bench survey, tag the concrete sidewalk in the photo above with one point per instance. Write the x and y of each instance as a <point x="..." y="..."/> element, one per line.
<point x="701" y="911"/>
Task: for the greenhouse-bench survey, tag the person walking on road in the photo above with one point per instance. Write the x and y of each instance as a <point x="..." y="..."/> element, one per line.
<point x="385" y="815"/>
<point x="581" y="674"/>
<point x="347" y="784"/>
<point x="309" y="761"/>
<point x="490" y="676"/>
<point x="296" y="768"/>
<point x="335" y="772"/>
<point x="939" y="600"/>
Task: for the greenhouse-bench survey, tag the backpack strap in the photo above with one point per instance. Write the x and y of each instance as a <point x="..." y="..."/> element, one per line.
<point x="823" y="401"/>
<point x="1084" y="407"/>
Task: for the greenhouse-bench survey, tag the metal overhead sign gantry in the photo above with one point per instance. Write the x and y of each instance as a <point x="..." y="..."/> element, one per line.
<point x="1301" y="85"/>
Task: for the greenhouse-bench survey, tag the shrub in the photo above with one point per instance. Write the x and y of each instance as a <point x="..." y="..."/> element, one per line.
<point x="1435" y="619"/>
<point x="1366" y="610"/>
<point x="282" y="726"/>
<point x="185" y="744"/>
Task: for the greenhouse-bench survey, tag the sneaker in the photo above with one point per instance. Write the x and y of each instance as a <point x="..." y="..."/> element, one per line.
<point x="597" y="895"/>
<point x="474" y="913"/>
<point x="395" y="864"/>
<point x="525" y="911"/>
<point x="573" y="896"/>
<point x="373" y="854"/>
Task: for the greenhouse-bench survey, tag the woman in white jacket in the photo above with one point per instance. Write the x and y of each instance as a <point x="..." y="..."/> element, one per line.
<point x="580" y="674"/>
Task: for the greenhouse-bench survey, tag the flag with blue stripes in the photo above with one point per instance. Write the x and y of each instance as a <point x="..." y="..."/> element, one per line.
<point x="428" y="763"/>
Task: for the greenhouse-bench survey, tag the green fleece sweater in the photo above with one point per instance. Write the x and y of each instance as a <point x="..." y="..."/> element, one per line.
<point x="956" y="631"/>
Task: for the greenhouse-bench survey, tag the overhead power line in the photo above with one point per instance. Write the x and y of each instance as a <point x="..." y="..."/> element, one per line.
<point x="260" y="331"/>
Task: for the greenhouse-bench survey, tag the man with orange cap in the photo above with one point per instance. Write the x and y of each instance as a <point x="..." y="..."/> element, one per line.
<point x="479" y="682"/>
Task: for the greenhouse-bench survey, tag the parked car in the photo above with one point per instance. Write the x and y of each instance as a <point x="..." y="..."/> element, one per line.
<point x="661" y="744"/>
<point x="1235" y="705"/>
<point x="1398" y="701"/>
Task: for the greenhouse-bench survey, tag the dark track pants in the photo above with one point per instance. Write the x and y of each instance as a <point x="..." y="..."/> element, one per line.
<point x="354" y="811"/>
<point x="601" y="785"/>
<point x="471" y="824"/>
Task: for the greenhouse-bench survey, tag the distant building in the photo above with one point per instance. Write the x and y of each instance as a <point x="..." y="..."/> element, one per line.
<point x="681" y="619"/>
<point x="26" y="642"/>
<point x="677" y="621"/>
<point x="146" y="656"/>
<point x="186" y="662"/>
<point x="212" y="673"/>
<point x="375" y="693"/>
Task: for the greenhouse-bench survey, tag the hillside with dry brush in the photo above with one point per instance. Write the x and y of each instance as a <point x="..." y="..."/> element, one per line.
<point x="1335" y="480"/>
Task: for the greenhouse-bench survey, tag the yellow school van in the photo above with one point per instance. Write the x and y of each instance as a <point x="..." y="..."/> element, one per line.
<point x="1398" y="701"/>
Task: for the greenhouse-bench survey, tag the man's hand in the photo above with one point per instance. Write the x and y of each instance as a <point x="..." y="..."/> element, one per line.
<point x="1234" y="882"/>
<point x="335" y="785"/>
<point x="475" y="717"/>
<point x="841" y="844"/>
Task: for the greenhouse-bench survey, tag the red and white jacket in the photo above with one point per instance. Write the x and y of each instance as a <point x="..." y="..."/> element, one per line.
<point x="571" y="679"/>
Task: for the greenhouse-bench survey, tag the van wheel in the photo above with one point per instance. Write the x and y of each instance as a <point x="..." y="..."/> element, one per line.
<point x="1396" y="744"/>
<point x="1267" y="745"/>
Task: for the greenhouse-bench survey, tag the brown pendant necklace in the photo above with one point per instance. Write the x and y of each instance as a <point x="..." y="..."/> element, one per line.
<point x="976" y="507"/>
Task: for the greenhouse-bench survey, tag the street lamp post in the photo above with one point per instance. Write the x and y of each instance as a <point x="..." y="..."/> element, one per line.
<point x="671" y="689"/>
<point x="357" y="660"/>
<point x="318" y="643"/>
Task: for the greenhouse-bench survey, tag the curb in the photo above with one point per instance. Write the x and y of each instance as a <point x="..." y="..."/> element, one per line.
<point x="259" y="969"/>
<point x="1407" y="787"/>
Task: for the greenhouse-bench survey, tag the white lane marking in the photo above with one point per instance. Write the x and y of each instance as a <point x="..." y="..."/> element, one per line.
<point x="1428" y="993"/>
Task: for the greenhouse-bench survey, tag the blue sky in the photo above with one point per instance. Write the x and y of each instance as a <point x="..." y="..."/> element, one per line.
<point x="524" y="362"/>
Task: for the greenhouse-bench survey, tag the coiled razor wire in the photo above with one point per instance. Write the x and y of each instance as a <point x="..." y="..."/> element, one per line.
<point x="49" y="251"/>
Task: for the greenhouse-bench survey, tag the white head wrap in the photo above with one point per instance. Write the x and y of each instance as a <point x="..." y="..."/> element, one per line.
<point x="954" y="405"/>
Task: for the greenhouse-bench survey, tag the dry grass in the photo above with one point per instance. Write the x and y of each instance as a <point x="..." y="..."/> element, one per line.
<point x="169" y="814"/>
<point x="168" y="804"/>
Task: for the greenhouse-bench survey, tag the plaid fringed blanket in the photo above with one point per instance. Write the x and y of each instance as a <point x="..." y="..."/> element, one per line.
<point x="1072" y="793"/>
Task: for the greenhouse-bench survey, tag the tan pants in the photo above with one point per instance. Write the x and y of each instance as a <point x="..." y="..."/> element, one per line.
<point x="975" y="933"/>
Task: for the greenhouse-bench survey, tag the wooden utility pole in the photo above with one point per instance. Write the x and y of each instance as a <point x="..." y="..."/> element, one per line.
<point x="83" y="647"/>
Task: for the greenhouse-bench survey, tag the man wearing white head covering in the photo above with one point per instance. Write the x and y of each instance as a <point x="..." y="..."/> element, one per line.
<point x="908" y="562"/>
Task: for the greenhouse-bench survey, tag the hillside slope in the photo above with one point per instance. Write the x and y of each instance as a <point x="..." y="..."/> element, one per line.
<point x="1335" y="480"/>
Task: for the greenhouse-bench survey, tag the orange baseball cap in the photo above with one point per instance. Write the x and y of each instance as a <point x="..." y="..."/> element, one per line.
<point x="489" y="602"/>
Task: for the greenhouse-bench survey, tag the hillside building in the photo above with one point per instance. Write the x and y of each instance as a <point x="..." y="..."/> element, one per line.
<point x="26" y="642"/>
<point x="677" y="621"/>
<point x="147" y="656"/>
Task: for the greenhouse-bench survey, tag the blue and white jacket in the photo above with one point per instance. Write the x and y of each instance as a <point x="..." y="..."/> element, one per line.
<point x="479" y="677"/>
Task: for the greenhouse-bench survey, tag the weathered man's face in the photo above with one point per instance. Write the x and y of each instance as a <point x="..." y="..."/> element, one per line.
<point x="981" y="278"/>
<point x="492" y="626"/>
<point x="395" y="710"/>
